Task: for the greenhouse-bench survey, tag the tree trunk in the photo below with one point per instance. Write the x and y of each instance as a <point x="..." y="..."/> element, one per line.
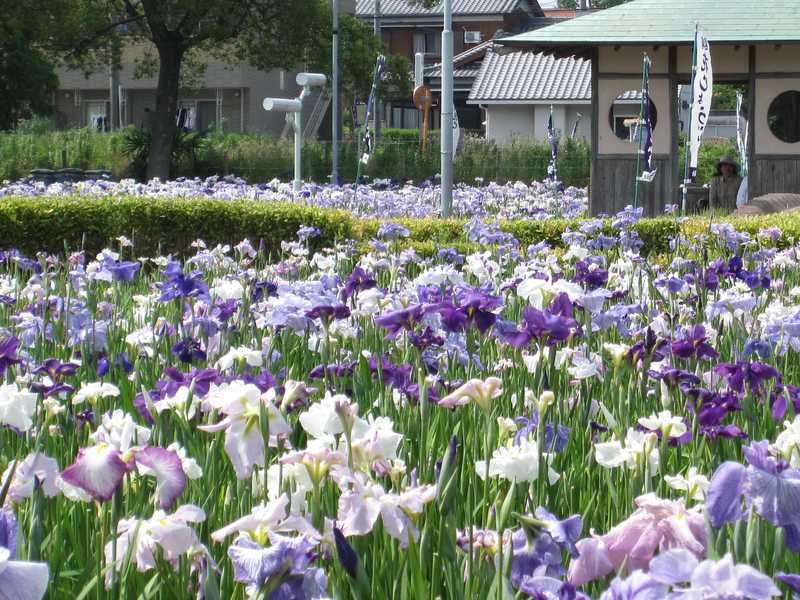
<point x="164" y="122"/>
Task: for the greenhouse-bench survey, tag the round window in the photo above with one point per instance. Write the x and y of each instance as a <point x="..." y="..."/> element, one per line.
<point x="784" y="117"/>
<point x="623" y="116"/>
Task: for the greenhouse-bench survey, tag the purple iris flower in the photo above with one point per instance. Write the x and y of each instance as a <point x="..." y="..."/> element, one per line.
<point x="556" y="437"/>
<point x="328" y="313"/>
<point x="225" y="309"/>
<point x="396" y="321"/>
<point x="392" y="231"/>
<point x="450" y="255"/>
<point x="334" y="370"/>
<point x="650" y="349"/>
<point x="538" y="546"/>
<point x="790" y="580"/>
<point x="284" y="567"/>
<point x="264" y="289"/>
<point x="123" y="270"/>
<point x="307" y="232"/>
<point x="188" y="350"/>
<point x="264" y="381"/>
<point x="180" y="285"/>
<point x="9" y="531"/>
<point x="426" y="339"/>
<point x="713" y="409"/>
<point x="549" y="588"/>
<point x="781" y="395"/>
<point x="770" y="486"/>
<point x="358" y="281"/>
<point x="754" y="374"/>
<point x="592" y="278"/>
<point x="554" y="325"/>
<point x="8" y="353"/>
<point x="103" y="366"/>
<point x="694" y="344"/>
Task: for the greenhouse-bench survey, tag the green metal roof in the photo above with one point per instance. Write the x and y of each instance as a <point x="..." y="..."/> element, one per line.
<point x="672" y="21"/>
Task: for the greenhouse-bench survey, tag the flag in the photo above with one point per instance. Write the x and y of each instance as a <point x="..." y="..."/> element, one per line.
<point x="646" y="142"/>
<point x="702" y="90"/>
<point x="575" y="126"/>
<point x="552" y="170"/>
<point x="741" y="137"/>
<point x="366" y="136"/>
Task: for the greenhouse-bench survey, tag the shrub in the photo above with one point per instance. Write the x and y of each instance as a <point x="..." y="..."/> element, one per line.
<point x="55" y="224"/>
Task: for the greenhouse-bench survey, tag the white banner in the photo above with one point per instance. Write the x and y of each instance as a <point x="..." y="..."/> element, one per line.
<point x="456" y="132"/>
<point x="702" y="92"/>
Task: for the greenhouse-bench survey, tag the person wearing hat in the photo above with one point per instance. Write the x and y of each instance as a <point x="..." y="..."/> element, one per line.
<point x="725" y="184"/>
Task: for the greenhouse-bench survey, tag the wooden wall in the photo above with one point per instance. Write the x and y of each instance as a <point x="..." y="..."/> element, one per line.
<point x="613" y="186"/>
<point x="774" y="174"/>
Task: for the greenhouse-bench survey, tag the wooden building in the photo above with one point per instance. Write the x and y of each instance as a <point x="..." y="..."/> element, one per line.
<point x="753" y="42"/>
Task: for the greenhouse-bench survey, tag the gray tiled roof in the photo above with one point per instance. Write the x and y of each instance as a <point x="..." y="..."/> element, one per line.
<point x="532" y="77"/>
<point x="396" y="8"/>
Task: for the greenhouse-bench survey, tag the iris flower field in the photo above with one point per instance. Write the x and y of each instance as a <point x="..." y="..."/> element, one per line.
<point x="520" y="422"/>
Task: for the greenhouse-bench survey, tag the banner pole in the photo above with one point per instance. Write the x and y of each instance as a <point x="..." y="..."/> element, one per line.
<point x="639" y="130"/>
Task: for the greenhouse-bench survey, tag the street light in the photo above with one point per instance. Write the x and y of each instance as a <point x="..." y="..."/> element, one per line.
<point x="294" y="116"/>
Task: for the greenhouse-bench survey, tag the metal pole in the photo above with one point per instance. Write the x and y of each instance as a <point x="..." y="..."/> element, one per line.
<point x="298" y="150"/>
<point x="336" y="116"/>
<point x="447" y="110"/>
<point x="378" y="104"/>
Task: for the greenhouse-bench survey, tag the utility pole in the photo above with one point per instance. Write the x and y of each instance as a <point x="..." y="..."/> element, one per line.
<point x="113" y="114"/>
<point x="447" y="110"/>
<point x="378" y="104"/>
<point x="336" y="113"/>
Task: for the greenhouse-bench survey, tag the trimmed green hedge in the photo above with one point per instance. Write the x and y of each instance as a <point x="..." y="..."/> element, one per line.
<point x="159" y="226"/>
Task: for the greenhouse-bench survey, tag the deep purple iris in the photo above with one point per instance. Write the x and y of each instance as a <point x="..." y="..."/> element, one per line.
<point x="264" y="289"/>
<point x="556" y="324"/>
<point x="8" y="353"/>
<point x="592" y="278"/>
<point x="752" y="374"/>
<point x="399" y="320"/>
<point x="189" y="349"/>
<point x="328" y="313"/>
<point x="358" y="281"/>
<point x="694" y="344"/>
<point x="180" y="285"/>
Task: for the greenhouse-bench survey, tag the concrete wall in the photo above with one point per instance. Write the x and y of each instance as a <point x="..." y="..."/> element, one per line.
<point x="243" y="89"/>
<point x="508" y="122"/>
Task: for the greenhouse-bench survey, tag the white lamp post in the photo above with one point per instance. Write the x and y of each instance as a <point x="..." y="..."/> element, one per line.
<point x="294" y="115"/>
<point x="447" y="110"/>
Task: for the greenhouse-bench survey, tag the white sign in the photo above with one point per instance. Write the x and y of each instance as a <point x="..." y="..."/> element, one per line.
<point x="703" y="90"/>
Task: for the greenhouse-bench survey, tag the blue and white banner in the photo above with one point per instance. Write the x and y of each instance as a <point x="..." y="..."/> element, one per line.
<point x="552" y="169"/>
<point x="703" y="88"/>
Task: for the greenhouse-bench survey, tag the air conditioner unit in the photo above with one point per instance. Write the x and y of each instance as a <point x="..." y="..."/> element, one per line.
<point x="473" y="37"/>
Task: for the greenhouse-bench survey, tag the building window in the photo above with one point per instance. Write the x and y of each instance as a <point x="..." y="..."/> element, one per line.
<point x="783" y="117"/>
<point x="623" y="116"/>
<point x="428" y="42"/>
<point x="97" y="115"/>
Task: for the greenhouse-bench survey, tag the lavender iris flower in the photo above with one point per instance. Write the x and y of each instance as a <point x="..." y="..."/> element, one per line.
<point x="9" y="531"/>
<point x="283" y="567"/>
<point x="770" y="487"/>
<point x="538" y="546"/>
<point x="358" y="281"/>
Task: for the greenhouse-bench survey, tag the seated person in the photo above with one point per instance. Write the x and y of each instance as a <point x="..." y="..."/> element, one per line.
<point x="724" y="187"/>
